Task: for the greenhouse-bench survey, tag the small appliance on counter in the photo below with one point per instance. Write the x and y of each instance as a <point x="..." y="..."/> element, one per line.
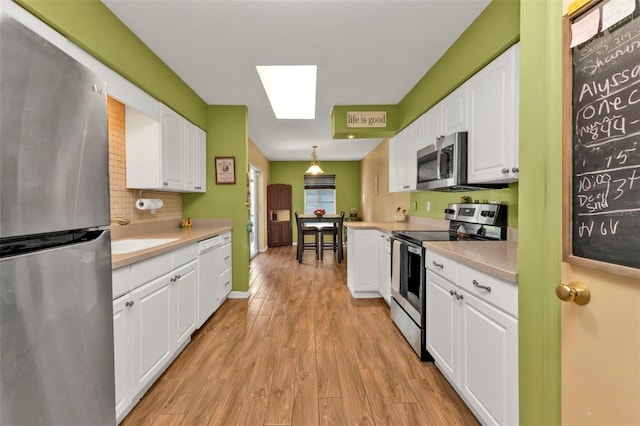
<point x="467" y="222"/>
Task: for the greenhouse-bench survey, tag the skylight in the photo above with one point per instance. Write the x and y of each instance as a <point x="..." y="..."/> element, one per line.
<point x="291" y="90"/>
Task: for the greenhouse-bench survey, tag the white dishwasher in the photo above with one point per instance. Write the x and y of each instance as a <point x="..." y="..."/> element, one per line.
<point x="208" y="278"/>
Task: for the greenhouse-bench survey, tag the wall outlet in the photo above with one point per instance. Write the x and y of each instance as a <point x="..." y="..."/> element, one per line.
<point x="428" y="206"/>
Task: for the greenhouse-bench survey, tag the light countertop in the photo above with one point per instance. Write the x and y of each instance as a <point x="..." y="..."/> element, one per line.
<point x="393" y="226"/>
<point x="497" y="258"/>
<point x="201" y="230"/>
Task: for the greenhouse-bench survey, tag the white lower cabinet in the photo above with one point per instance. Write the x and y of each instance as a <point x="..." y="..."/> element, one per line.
<point x="223" y="266"/>
<point x="152" y="322"/>
<point x="441" y="323"/>
<point x="123" y="354"/>
<point x="489" y="361"/>
<point x="369" y="263"/>
<point x="151" y="331"/>
<point x="384" y="265"/>
<point x="472" y="334"/>
<point x="184" y="290"/>
<point x="362" y="272"/>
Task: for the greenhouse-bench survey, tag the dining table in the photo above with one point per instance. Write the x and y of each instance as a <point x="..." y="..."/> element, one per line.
<point x="312" y="220"/>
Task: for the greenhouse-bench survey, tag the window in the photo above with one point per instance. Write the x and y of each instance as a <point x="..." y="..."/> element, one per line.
<point x="319" y="193"/>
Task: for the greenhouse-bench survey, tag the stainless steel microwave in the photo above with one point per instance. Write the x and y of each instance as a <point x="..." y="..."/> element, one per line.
<point x="442" y="166"/>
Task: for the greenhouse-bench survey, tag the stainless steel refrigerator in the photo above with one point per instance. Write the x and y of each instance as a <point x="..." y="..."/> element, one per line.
<point x="56" y="329"/>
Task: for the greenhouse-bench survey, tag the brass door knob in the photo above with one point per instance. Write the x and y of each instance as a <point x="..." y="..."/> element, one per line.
<point x="575" y="292"/>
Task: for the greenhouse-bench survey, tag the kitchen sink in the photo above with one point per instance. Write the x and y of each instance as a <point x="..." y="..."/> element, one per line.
<point x="131" y="245"/>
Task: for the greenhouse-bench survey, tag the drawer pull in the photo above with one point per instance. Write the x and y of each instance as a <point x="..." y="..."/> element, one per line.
<point x="457" y="295"/>
<point x="438" y="265"/>
<point x="226" y="258"/>
<point x="129" y="304"/>
<point x="480" y="286"/>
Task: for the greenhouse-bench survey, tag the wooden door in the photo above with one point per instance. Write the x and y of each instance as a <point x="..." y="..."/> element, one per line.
<point x="600" y="350"/>
<point x="600" y="338"/>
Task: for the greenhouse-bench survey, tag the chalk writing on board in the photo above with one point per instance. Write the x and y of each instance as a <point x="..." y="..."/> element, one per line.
<point x="606" y="146"/>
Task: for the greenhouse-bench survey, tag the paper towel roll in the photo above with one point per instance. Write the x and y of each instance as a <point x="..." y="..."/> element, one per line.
<point x="148" y="203"/>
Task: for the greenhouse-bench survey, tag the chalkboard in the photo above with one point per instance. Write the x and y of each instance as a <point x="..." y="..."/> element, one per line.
<point x="605" y="143"/>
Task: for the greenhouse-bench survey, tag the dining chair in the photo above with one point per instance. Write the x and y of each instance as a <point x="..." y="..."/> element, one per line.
<point x="304" y="231"/>
<point x="334" y="241"/>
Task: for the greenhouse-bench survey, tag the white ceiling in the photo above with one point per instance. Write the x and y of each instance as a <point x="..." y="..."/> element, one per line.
<point x="367" y="52"/>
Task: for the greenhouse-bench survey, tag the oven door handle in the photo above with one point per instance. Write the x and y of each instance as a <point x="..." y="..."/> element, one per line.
<point x="414" y="250"/>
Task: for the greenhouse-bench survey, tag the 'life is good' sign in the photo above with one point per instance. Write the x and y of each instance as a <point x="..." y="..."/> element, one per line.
<point x="366" y="119"/>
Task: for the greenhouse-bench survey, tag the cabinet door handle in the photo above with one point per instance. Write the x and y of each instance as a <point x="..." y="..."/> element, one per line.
<point x="480" y="286"/>
<point x="129" y="304"/>
<point x="165" y="183"/>
<point x="505" y="171"/>
<point x="178" y="276"/>
<point x="515" y="170"/>
<point x="438" y="265"/>
<point x="198" y="187"/>
<point x="453" y="292"/>
<point x="459" y="296"/>
<point x="226" y="258"/>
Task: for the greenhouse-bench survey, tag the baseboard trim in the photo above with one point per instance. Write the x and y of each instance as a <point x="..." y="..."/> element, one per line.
<point x="239" y="295"/>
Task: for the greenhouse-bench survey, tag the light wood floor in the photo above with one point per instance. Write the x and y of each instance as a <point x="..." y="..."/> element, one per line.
<point x="300" y="351"/>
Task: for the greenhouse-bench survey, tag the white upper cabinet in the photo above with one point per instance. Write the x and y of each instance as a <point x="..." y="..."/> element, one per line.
<point x="173" y="150"/>
<point x="432" y="124"/>
<point x="196" y="166"/>
<point x="165" y="155"/>
<point x="454" y="111"/>
<point x="403" y="150"/>
<point x="493" y="95"/>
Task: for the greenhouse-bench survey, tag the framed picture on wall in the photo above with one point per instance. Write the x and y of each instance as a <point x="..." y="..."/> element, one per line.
<point x="225" y="170"/>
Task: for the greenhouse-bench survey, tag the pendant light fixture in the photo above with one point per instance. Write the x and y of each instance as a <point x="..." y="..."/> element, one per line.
<point x="314" y="168"/>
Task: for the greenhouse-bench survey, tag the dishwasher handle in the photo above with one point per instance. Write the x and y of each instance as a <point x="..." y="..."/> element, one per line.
<point x="209" y="244"/>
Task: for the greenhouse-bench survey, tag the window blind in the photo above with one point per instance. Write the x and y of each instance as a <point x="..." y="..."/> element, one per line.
<point x="319" y="181"/>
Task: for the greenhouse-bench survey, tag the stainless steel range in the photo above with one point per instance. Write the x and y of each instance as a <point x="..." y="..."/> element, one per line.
<point x="467" y="222"/>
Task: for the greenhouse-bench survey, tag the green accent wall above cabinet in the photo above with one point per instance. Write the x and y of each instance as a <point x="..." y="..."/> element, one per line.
<point x="94" y="28"/>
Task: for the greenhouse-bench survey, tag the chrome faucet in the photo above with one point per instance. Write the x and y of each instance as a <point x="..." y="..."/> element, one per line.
<point x="121" y="220"/>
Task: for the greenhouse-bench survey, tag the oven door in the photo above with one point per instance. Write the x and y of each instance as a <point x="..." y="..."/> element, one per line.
<point x="407" y="279"/>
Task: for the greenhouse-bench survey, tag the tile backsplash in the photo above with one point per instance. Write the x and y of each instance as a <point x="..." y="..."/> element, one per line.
<point x="123" y="199"/>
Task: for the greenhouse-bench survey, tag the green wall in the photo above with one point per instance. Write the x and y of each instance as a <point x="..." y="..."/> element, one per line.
<point x="92" y="26"/>
<point x="540" y="241"/>
<point x="347" y="182"/>
<point x="440" y="200"/>
<point x="227" y="137"/>
<point x="497" y="28"/>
